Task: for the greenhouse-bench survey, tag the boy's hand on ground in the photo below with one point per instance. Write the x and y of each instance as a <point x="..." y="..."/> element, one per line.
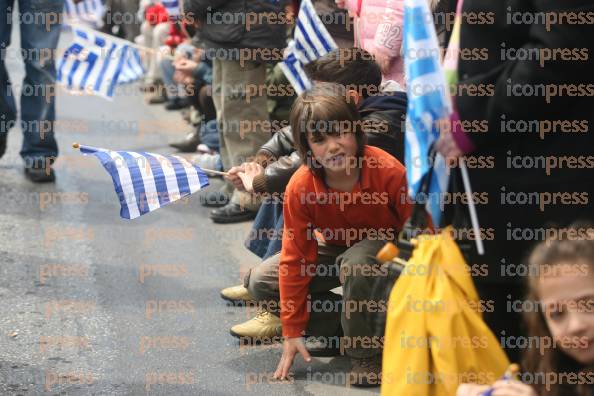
<point x="233" y="177"/>
<point x="291" y="346"/>
<point x="251" y="170"/>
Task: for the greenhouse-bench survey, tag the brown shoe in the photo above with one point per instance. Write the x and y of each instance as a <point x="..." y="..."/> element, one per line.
<point x="366" y="372"/>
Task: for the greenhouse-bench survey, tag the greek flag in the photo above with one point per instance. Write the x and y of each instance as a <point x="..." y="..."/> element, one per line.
<point x="428" y="102"/>
<point x="146" y="181"/>
<point x="172" y="7"/>
<point x="89" y="11"/>
<point x="310" y="41"/>
<point x="96" y="63"/>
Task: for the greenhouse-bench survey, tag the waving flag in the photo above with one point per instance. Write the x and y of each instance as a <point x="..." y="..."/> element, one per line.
<point x="146" y="181"/>
<point x="172" y="7"/>
<point x="310" y="41"/>
<point x="94" y="63"/>
<point x="89" y="11"/>
<point x="428" y="102"/>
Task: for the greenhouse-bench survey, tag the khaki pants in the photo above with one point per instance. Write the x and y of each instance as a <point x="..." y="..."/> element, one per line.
<point x="353" y="268"/>
<point x="240" y="114"/>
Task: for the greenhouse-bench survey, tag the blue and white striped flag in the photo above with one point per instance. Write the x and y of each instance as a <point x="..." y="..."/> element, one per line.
<point x="89" y="11"/>
<point x="428" y="102"/>
<point x="310" y="41"/>
<point x="146" y="181"/>
<point x="172" y="7"/>
<point x="96" y="63"/>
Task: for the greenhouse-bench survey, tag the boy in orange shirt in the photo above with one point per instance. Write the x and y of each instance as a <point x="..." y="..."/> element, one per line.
<point x="340" y="207"/>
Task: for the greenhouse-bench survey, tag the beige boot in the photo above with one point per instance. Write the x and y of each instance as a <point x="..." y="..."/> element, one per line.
<point x="236" y="293"/>
<point x="264" y="327"/>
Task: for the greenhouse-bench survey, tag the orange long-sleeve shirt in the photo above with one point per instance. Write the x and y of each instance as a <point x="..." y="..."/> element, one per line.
<point x="376" y="208"/>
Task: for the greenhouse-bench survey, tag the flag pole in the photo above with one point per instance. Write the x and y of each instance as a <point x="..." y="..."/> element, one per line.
<point x="473" y="217"/>
<point x="118" y="39"/>
<point x="214" y="172"/>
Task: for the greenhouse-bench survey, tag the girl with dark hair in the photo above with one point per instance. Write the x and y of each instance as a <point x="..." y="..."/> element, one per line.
<point x="559" y="314"/>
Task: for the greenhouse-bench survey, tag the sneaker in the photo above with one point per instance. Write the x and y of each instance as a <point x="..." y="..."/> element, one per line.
<point x="366" y="372"/>
<point x="232" y="213"/>
<point x="40" y="175"/>
<point x="236" y="293"/>
<point x="263" y="327"/>
<point x="208" y="161"/>
<point x="203" y="148"/>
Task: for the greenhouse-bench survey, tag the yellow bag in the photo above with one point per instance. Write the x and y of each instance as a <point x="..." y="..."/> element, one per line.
<point x="435" y="337"/>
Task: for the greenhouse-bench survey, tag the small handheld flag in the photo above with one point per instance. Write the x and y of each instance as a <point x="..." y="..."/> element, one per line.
<point x="172" y="7"/>
<point x="96" y="63"/>
<point x="146" y="181"/>
<point x="87" y="11"/>
<point x="311" y="41"/>
<point x="428" y="103"/>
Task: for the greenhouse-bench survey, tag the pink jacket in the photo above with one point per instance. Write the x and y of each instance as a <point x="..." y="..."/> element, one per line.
<point x="378" y="29"/>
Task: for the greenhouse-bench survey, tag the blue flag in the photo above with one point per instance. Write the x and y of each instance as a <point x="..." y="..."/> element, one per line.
<point x="172" y="7"/>
<point x="310" y="41"/>
<point x="146" y="181"/>
<point x="428" y="102"/>
<point x="88" y="11"/>
<point x="95" y="63"/>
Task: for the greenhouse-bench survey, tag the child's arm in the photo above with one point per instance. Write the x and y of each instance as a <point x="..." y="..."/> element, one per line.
<point x="398" y="191"/>
<point x="299" y="250"/>
<point x="352" y="6"/>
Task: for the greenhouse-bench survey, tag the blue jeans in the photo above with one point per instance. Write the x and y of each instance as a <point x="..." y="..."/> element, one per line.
<point x="39" y="22"/>
<point x="270" y="216"/>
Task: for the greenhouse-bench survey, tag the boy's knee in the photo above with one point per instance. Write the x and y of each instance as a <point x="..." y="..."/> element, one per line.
<point x="256" y="284"/>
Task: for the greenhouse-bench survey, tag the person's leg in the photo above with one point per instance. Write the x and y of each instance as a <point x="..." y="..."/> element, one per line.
<point x="242" y="117"/>
<point x="358" y="271"/>
<point x="38" y="107"/>
<point x="269" y="217"/>
<point x="7" y="102"/>
<point x="147" y="34"/>
<point x="167" y="72"/>
<point x="160" y="33"/>
<point x="324" y="318"/>
<point x="219" y="84"/>
<point x="206" y="103"/>
<point x="130" y="26"/>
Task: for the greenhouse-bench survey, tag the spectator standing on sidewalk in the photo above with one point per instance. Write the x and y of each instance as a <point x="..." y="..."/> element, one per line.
<point x="40" y="23"/>
<point x="238" y="64"/>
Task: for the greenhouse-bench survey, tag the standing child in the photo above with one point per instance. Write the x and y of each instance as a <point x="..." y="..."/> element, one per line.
<point x="340" y="206"/>
<point x="561" y="280"/>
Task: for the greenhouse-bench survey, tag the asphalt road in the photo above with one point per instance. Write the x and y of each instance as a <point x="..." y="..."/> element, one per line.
<point x="91" y="304"/>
